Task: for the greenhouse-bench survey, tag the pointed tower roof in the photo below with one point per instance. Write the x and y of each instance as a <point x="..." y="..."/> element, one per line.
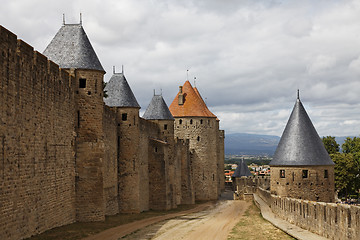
<point x="157" y="109"/>
<point x="300" y="145"/>
<point x="193" y="104"/>
<point x="119" y="92"/>
<point x="71" y="48"/>
<point x="242" y="170"/>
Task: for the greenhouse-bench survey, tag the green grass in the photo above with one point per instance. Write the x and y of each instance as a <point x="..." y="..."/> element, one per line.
<point x="252" y="226"/>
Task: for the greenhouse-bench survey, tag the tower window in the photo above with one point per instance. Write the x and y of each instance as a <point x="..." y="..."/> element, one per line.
<point x="305" y="173"/>
<point x="191" y="121"/>
<point x="326" y="173"/>
<point x="156" y="149"/>
<point x="282" y="173"/>
<point x="124" y="116"/>
<point x="201" y="121"/>
<point x="198" y="138"/>
<point x="82" y="83"/>
<point x="180" y="121"/>
<point x="165" y="126"/>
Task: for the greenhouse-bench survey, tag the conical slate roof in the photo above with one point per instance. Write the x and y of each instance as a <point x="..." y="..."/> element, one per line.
<point x="193" y="106"/>
<point x="242" y="170"/>
<point x="300" y="145"/>
<point x="119" y="92"/>
<point x="157" y="109"/>
<point x="71" y="48"/>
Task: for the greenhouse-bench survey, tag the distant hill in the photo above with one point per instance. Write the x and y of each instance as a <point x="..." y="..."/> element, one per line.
<point x="256" y="144"/>
<point x="250" y="144"/>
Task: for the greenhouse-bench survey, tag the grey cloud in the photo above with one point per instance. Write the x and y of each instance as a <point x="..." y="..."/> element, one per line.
<point x="249" y="57"/>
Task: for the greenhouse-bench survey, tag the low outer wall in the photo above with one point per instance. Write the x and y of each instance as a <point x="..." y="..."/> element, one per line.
<point x="334" y="221"/>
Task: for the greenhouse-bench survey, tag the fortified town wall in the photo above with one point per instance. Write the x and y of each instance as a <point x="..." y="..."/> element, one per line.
<point x="37" y="159"/>
<point x="66" y="157"/>
<point x="331" y="220"/>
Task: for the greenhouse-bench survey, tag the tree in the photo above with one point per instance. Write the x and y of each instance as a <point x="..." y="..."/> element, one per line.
<point x="330" y="144"/>
<point x="352" y="146"/>
<point x="347" y="164"/>
<point x="345" y="174"/>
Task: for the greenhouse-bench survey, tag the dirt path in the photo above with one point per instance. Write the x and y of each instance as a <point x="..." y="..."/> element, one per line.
<point x="213" y="223"/>
<point x="123" y="230"/>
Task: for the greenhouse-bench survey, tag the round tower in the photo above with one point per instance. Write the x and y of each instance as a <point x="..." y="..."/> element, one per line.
<point x="164" y="170"/>
<point x="301" y="167"/>
<point x="122" y="100"/>
<point x="194" y="121"/>
<point x="72" y="50"/>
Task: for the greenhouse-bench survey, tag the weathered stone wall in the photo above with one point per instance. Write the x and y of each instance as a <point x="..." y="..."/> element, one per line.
<point x="147" y="129"/>
<point x="315" y="187"/>
<point x="221" y="160"/>
<point x="37" y="167"/>
<point x="128" y="160"/>
<point x="110" y="162"/>
<point x="203" y="136"/>
<point x="184" y="159"/>
<point x="334" y="221"/>
<point x="249" y="185"/>
<point x="90" y="204"/>
<point x="160" y="193"/>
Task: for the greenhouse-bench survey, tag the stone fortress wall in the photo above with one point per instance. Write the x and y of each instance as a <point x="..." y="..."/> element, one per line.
<point x="66" y="157"/>
<point x="203" y="135"/>
<point x="37" y="159"/>
<point x="316" y="185"/>
<point x="331" y="220"/>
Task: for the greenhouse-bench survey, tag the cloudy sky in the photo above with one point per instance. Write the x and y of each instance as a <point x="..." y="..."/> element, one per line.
<point x="249" y="57"/>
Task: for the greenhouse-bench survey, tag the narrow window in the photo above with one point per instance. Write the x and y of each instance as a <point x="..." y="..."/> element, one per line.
<point x="305" y="173"/>
<point x="156" y="149"/>
<point x="82" y="83"/>
<point x="282" y="173"/>
<point x="124" y="116"/>
<point x="165" y="126"/>
<point x="78" y="119"/>
<point x="180" y="121"/>
<point x="326" y="173"/>
<point x="198" y="138"/>
<point x="201" y="121"/>
<point x="293" y="176"/>
<point x="213" y="177"/>
<point x="190" y="121"/>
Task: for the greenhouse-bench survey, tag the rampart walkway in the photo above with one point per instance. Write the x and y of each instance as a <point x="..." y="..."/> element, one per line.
<point x="287" y="227"/>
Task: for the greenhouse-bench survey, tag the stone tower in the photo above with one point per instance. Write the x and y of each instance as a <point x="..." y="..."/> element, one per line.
<point x="122" y="100"/>
<point x="72" y="50"/>
<point x="301" y="167"/>
<point x="194" y="121"/>
<point x="164" y="181"/>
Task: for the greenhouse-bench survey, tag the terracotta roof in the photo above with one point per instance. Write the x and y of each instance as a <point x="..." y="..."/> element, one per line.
<point x="194" y="105"/>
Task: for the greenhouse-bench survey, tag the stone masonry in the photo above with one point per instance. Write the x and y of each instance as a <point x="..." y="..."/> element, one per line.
<point x="65" y="156"/>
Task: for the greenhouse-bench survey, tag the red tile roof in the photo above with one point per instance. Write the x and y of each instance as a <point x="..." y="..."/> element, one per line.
<point x="194" y="105"/>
